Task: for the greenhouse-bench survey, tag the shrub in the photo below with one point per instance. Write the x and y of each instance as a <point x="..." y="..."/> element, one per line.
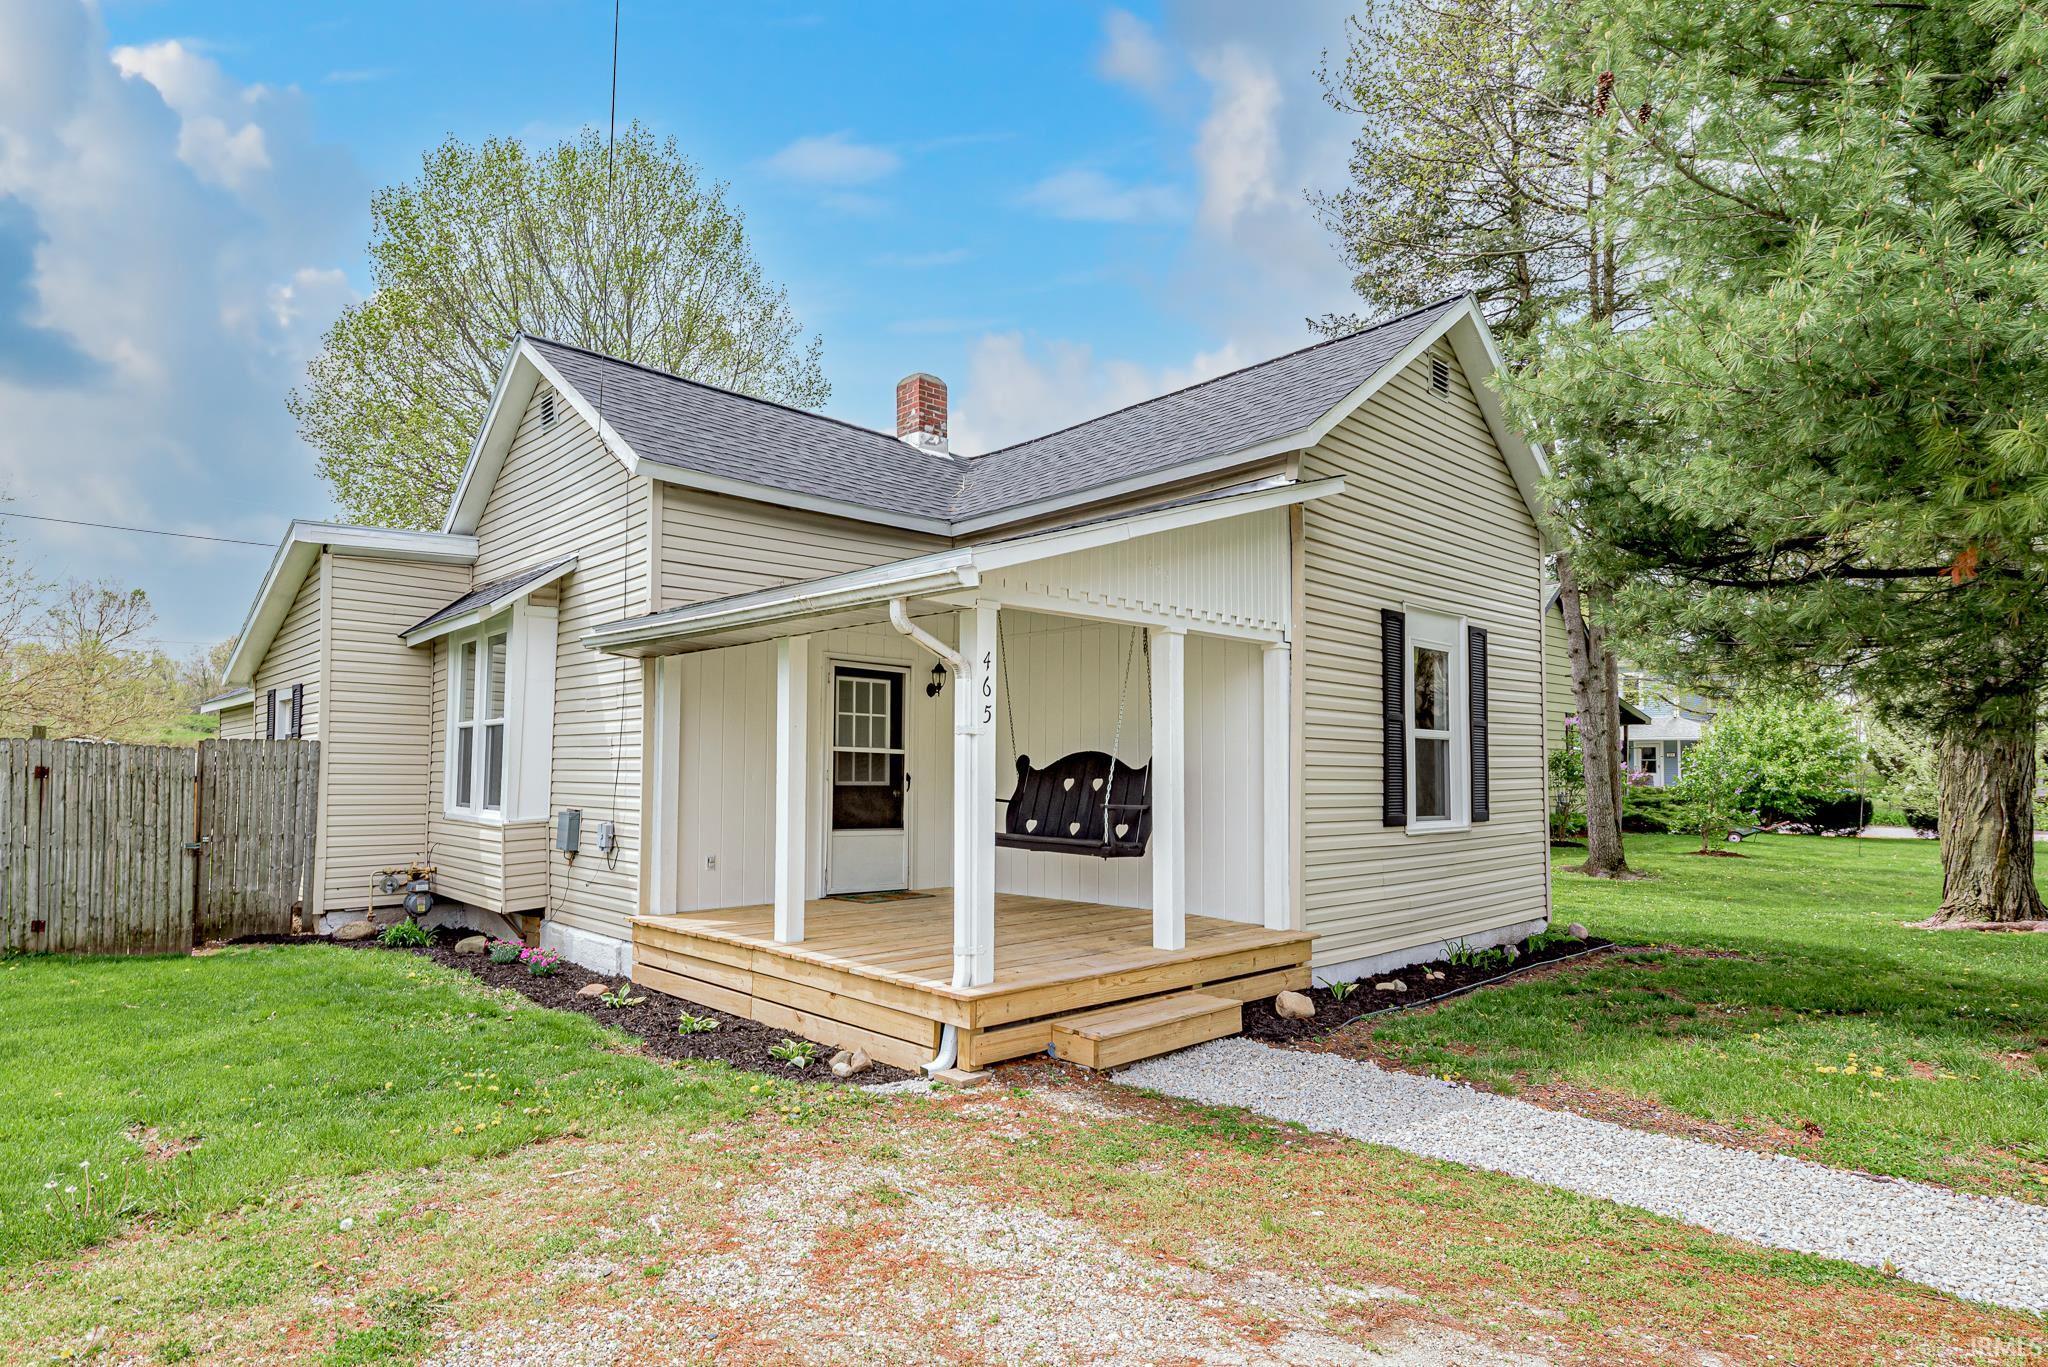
<point x="1649" y="811"/>
<point x="1778" y="755"/>
<point x="505" y="951"/>
<point x="406" y="934"/>
<point x="1567" y="785"/>
<point x="540" y="962"/>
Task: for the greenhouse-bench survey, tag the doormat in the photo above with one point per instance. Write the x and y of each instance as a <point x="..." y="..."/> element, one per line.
<point x="897" y="896"/>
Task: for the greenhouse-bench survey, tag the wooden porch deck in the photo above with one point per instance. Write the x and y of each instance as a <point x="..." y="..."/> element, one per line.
<point x="879" y="974"/>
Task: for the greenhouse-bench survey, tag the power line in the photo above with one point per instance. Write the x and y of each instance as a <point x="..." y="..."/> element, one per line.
<point x="147" y="531"/>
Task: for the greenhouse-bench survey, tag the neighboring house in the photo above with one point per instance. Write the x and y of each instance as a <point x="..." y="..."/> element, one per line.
<point x="686" y="670"/>
<point x="1674" y="722"/>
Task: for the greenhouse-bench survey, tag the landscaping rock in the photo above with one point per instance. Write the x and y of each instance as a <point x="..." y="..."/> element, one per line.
<point x="596" y="989"/>
<point x="1295" y="1006"/>
<point x="1391" y="985"/>
<point x="1576" y="930"/>
<point x="1434" y="976"/>
<point x="847" y="1062"/>
<point x="474" y="944"/>
<point x="355" y="930"/>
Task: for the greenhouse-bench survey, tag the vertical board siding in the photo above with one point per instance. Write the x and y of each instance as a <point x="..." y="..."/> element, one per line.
<point x="258" y="825"/>
<point x="1430" y="519"/>
<point x="1232" y="573"/>
<point x="379" y="726"/>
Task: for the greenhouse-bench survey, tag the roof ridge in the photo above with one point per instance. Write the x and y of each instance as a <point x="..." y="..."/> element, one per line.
<point x="734" y="393"/>
<point x="1213" y="379"/>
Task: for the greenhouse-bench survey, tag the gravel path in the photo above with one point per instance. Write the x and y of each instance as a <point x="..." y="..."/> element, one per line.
<point x="1985" y="1248"/>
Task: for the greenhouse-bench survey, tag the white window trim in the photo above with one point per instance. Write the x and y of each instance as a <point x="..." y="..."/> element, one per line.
<point x="1434" y="631"/>
<point x="528" y="721"/>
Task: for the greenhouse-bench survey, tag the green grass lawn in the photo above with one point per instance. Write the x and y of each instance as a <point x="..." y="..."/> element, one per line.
<point x="1917" y="1054"/>
<point x="177" y="1087"/>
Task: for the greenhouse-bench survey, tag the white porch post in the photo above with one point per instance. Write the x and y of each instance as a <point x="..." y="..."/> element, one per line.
<point x="974" y="800"/>
<point x="792" y="741"/>
<point x="1169" y="788"/>
<point x="1276" y="791"/>
<point x="663" y="810"/>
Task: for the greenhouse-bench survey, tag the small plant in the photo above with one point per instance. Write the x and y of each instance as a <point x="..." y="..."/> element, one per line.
<point x="406" y="934"/>
<point x="1342" y="990"/>
<point x="797" y="1053"/>
<point x="1462" y="955"/>
<point x="687" y="1024"/>
<point x="505" y="951"/>
<point x="620" y="996"/>
<point x="1546" y="939"/>
<point x="540" y="962"/>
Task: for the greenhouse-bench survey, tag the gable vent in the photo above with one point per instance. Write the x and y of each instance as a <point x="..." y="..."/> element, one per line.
<point x="547" y="409"/>
<point x="1440" y="376"/>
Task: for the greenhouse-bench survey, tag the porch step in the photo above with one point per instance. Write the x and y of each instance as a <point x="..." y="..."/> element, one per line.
<point x="1122" y="1034"/>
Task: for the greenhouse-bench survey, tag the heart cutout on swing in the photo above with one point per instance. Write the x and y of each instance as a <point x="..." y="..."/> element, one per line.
<point x="1067" y="786"/>
<point x="1073" y="828"/>
<point x="1096" y="785"/>
<point x="1030" y="825"/>
<point x="1123" y="828"/>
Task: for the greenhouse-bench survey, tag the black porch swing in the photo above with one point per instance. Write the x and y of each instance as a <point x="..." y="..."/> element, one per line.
<point x="1084" y="803"/>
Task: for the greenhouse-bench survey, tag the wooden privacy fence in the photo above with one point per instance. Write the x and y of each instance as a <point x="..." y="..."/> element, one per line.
<point x="138" y="849"/>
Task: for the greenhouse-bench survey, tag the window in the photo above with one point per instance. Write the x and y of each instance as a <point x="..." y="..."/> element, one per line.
<point x="1438" y="728"/>
<point x="864" y="744"/>
<point x="476" y="764"/>
<point x="281" y="713"/>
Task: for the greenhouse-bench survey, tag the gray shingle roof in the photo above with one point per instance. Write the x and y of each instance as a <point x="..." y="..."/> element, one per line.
<point x="497" y="591"/>
<point x="714" y="431"/>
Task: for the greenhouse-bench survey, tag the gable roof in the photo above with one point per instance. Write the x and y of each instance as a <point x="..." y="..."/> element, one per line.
<point x="480" y="601"/>
<point x="688" y="432"/>
<point x="299" y="551"/>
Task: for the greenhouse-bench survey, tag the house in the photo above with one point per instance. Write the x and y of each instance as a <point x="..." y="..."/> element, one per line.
<point x="1080" y="742"/>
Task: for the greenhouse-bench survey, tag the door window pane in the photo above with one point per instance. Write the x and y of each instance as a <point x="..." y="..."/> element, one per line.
<point x="1432" y="690"/>
<point x="1432" y="778"/>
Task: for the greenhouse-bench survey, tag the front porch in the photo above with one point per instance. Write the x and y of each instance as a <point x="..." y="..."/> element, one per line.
<point x="878" y="975"/>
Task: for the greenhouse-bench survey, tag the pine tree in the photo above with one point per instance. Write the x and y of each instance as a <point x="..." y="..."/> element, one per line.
<point x="1828" y="440"/>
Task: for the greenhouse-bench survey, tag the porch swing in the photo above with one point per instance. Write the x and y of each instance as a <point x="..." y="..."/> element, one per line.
<point x="1084" y="803"/>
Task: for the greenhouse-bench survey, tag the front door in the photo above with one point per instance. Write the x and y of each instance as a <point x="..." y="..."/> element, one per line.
<point x="870" y="842"/>
<point x="1647" y="757"/>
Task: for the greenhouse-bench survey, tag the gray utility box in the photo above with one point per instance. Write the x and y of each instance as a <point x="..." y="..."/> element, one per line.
<point x="569" y="829"/>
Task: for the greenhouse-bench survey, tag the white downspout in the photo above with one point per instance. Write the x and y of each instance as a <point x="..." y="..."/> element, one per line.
<point x="899" y="618"/>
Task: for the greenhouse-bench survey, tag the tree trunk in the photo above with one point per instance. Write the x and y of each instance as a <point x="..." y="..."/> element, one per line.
<point x="1987" y="826"/>
<point x="1595" y="686"/>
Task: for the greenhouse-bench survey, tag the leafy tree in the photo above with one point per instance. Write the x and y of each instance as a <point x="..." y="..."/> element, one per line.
<point x="1829" y="437"/>
<point x="631" y="253"/>
<point x="1776" y="755"/>
<point x="88" y="670"/>
<point x="1468" y="172"/>
<point x="1567" y="782"/>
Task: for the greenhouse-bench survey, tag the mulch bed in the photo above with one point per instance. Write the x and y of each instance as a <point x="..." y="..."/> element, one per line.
<point x="1262" y="1022"/>
<point x="742" y="1043"/>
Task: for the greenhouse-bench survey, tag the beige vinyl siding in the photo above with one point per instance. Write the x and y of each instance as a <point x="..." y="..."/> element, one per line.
<point x="561" y="492"/>
<point x="238" y="723"/>
<point x="713" y="546"/>
<point x="1430" y="520"/>
<point x="1557" y="680"/>
<point x="294" y="657"/>
<point x="378" y="718"/>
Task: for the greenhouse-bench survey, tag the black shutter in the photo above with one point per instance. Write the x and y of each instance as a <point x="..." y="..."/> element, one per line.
<point x="1475" y="696"/>
<point x="298" y="708"/>
<point x="1393" y="717"/>
<point x="270" y="715"/>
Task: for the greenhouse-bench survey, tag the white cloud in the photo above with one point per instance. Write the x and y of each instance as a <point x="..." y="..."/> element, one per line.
<point x="1089" y="196"/>
<point x="188" y="233"/>
<point x="1238" y="150"/>
<point x="1018" y="388"/>
<point x="1132" y="55"/>
<point x="834" y="159"/>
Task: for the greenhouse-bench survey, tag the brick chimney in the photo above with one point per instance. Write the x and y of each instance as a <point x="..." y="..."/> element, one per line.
<point x="921" y="412"/>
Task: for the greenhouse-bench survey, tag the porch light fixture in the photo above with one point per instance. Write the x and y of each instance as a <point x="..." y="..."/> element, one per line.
<point x="938" y="683"/>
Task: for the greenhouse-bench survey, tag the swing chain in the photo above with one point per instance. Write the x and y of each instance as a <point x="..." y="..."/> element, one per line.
<point x="1003" y="668"/>
<point x="1116" y="740"/>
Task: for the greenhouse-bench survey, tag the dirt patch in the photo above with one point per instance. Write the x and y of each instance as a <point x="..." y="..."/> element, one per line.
<point x="2020" y="927"/>
<point x="158" y="1147"/>
<point x="1426" y="983"/>
<point x="737" y="1041"/>
<point x="1717" y="854"/>
<point x="1598" y="1104"/>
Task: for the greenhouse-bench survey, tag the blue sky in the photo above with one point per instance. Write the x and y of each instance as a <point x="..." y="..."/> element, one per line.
<point x="1059" y="208"/>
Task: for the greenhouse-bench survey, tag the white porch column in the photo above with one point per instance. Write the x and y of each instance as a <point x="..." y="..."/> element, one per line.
<point x="792" y="742"/>
<point x="662" y="812"/>
<point x="974" y="800"/>
<point x="1276" y="790"/>
<point x="1169" y="788"/>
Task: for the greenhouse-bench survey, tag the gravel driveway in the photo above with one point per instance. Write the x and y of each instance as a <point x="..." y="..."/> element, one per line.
<point x="1986" y="1248"/>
